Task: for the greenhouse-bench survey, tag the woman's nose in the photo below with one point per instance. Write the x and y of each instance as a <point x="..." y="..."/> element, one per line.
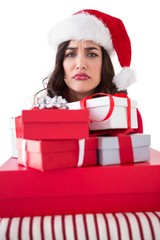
<point x="81" y="65"/>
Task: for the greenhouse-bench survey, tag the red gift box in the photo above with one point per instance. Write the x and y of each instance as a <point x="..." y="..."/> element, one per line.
<point x="38" y="124"/>
<point x="116" y="188"/>
<point x="52" y="154"/>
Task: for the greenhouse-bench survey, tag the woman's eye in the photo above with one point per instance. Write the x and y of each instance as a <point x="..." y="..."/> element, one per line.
<point x="70" y="55"/>
<point x="92" y="55"/>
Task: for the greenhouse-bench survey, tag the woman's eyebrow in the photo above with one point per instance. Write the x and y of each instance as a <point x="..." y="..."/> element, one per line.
<point x="87" y="48"/>
<point x="91" y="48"/>
<point x="71" y="48"/>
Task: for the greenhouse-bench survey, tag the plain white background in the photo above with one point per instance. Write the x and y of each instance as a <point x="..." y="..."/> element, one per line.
<point x="26" y="58"/>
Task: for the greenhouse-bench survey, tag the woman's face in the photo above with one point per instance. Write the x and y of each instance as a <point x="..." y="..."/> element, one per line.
<point x="82" y="68"/>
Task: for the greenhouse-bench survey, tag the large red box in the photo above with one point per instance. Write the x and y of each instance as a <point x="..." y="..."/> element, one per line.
<point x="41" y="124"/>
<point x="116" y="188"/>
<point x="52" y="154"/>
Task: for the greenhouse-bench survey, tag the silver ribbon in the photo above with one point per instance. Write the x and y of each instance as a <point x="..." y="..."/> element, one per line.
<point x="48" y="102"/>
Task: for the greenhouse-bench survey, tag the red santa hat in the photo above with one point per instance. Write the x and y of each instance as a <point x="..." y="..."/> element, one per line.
<point x="106" y="30"/>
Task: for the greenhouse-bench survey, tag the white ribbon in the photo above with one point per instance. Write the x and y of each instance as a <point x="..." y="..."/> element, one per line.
<point x="24" y="160"/>
<point x="81" y="143"/>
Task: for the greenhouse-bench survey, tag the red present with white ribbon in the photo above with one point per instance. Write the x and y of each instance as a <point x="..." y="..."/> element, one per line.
<point x="109" y="111"/>
<point x="93" y="189"/>
<point x="53" y="154"/>
<point x="36" y="124"/>
<point x="124" y="149"/>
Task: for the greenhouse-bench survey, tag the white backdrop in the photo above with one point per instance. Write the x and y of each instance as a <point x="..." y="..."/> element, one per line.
<point x="26" y="58"/>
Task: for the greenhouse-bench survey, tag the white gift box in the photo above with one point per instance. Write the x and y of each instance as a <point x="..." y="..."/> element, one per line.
<point x="109" y="149"/>
<point x="13" y="137"/>
<point x="99" y="108"/>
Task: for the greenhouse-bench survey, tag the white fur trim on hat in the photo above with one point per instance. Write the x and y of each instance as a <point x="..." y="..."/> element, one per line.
<point x="81" y="27"/>
<point x="124" y="78"/>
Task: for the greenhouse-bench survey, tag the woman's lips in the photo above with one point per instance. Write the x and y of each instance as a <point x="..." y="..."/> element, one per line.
<point x="81" y="76"/>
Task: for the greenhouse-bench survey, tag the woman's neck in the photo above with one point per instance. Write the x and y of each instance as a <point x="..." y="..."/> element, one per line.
<point x="74" y="96"/>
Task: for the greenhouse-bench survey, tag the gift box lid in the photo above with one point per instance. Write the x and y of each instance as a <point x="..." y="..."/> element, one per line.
<point x="46" y="146"/>
<point x="55" y="115"/>
<point x="22" y="182"/>
<point x="137" y="139"/>
<point x="102" y="101"/>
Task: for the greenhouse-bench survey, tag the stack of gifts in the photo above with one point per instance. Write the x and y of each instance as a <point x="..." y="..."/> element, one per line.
<point x="68" y="136"/>
<point x="118" y="114"/>
<point x="81" y="159"/>
<point x="55" y="138"/>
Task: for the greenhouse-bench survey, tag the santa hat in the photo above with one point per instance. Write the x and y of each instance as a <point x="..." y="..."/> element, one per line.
<point x="106" y="30"/>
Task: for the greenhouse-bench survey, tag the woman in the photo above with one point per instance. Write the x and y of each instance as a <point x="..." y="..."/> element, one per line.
<point x="82" y="68"/>
<point x="84" y="45"/>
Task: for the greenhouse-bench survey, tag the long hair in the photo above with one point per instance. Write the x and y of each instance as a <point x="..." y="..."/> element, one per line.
<point x="57" y="86"/>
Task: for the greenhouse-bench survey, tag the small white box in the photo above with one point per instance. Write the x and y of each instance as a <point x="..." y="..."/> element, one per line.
<point x="109" y="150"/>
<point x="13" y="137"/>
<point x="99" y="108"/>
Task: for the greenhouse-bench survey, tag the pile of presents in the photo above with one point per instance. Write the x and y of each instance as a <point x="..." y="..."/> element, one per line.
<point x="73" y="160"/>
<point x="60" y="138"/>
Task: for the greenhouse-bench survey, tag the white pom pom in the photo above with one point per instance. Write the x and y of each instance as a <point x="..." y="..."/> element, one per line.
<point x="124" y="78"/>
